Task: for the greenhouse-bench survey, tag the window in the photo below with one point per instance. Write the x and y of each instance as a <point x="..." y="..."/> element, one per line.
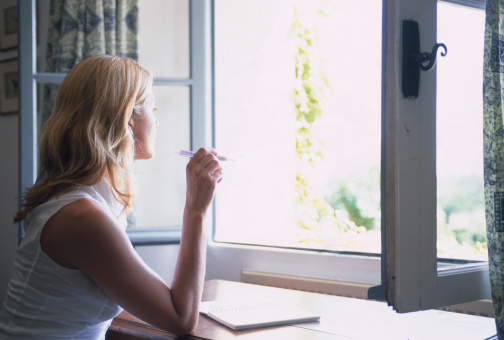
<point x="298" y="106"/>
<point x="154" y="220"/>
<point x="255" y="111"/>
<point x="414" y="277"/>
<point x="247" y="69"/>
<point x="407" y="271"/>
<point x="163" y="177"/>
<point x="459" y="123"/>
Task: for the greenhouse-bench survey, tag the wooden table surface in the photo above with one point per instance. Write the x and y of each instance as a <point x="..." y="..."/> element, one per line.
<point x="341" y="318"/>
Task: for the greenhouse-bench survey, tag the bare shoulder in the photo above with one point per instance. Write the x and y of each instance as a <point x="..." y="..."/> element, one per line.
<point x="75" y="230"/>
<point x="81" y="209"/>
<point x="80" y="218"/>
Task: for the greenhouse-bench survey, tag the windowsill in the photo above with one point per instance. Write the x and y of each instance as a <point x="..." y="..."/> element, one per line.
<point x="154" y="236"/>
<point x="446" y="268"/>
<point x="226" y="261"/>
<point x="281" y="249"/>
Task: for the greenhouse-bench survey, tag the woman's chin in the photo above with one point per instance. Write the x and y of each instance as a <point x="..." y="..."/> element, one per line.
<point x="144" y="156"/>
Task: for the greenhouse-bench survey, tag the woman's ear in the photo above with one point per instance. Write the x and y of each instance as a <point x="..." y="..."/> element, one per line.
<point x="130" y="125"/>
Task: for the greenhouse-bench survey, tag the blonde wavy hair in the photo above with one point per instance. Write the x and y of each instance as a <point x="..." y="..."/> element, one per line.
<point x="87" y="137"/>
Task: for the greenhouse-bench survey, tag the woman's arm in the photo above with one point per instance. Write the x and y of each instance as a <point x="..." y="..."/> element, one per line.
<point x="203" y="173"/>
<point x="83" y="236"/>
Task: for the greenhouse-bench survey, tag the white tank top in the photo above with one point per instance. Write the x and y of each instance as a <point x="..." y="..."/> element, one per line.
<point x="47" y="301"/>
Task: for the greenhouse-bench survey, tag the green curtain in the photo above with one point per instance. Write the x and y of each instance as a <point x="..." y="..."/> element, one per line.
<point x="82" y="28"/>
<point x="493" y="144"/>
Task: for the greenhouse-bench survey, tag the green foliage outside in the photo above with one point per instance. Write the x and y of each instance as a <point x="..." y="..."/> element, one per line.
<point x="344" y="220"/>
<point x="346" y="200"/>
<point x="461" y="217"/>
<point x="359" y="197"/>
<point x="320" y="224"/>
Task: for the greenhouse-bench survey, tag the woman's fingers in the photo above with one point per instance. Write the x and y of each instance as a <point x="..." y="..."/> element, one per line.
<point x="202" y="153"/>
<point x="203" y="174"/>
<point x="205" y="159"/>
<point x="208" y="164"/>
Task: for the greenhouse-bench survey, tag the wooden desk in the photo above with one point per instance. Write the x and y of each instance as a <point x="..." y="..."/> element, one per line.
<point x="341" y="318"/>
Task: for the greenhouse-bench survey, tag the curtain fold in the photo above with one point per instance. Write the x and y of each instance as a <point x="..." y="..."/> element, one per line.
<point x="82" y="28"/>
<point x="493" y="144"/>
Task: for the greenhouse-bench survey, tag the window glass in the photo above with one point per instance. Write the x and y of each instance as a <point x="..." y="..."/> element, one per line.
<point x="298" y="105"/>
<point x="163" y="49"/>
<point x="163" y="37"/>
<point x="44" y="106"/>
<point x="161" y="180"/>
<point x="460" y="199"/>
<point x="41" y="37"/>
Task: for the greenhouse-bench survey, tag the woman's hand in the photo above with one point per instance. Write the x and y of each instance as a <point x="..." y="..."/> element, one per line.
<point x="203" y="172"/>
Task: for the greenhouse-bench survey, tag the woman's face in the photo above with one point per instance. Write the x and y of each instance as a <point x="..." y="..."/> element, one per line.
<point x="144" y="128"/>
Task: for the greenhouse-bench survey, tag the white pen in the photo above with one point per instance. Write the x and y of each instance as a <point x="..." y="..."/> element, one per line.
<point x="191" y="153"/>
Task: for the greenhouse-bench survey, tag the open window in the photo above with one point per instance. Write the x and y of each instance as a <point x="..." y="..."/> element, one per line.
<point x="353" y="190"/>
<point x="416" y="275"/>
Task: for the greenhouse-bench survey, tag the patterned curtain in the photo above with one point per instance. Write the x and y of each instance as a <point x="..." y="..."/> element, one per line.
<point x="493" y="143"/>
<point x="82" y="28"/>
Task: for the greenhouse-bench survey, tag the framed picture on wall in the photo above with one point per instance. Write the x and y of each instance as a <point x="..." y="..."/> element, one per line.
<point x="9" y="86"/>
<point x="8" y="24"/>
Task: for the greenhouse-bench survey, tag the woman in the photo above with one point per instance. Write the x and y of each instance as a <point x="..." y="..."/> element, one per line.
<point x="76" y="265"/>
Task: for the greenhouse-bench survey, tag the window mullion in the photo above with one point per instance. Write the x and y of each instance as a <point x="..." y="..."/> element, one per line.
<point x="201" y="119"/>
<point x="410" y="167"/>
<point x="27" y="97"/>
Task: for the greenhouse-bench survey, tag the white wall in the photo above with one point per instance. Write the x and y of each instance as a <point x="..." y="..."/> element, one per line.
<point x="8" y="197"/>
<point x="8" y="190"/>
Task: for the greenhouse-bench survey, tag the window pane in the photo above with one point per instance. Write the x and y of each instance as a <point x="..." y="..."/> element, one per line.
<point x="41" y="37"/>
<point x="44" y="107"/>
<point x="298" y="104"/>
<point x="164" y="176"/>
<point x="162" y="48"/>
<point x="163" y="37"/>
<point x="161" y="180"/>
<point x="460" y="199"/>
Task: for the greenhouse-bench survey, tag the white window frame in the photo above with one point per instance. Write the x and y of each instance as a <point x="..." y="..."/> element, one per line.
<point x="411" y="182"/>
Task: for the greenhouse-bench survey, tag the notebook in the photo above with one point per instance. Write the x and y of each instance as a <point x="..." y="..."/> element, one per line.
<point x="255" y="315"/>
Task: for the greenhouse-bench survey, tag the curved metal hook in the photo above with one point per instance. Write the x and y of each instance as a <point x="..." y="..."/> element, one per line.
<point x="429" y="58"/>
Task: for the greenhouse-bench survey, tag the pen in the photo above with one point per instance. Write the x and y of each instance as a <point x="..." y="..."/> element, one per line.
<point x="191" y="153"/>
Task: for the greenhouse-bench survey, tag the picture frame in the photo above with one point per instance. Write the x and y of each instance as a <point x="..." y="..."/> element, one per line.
<point x="9" y="86"/>
<point x="8" y="24"/>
